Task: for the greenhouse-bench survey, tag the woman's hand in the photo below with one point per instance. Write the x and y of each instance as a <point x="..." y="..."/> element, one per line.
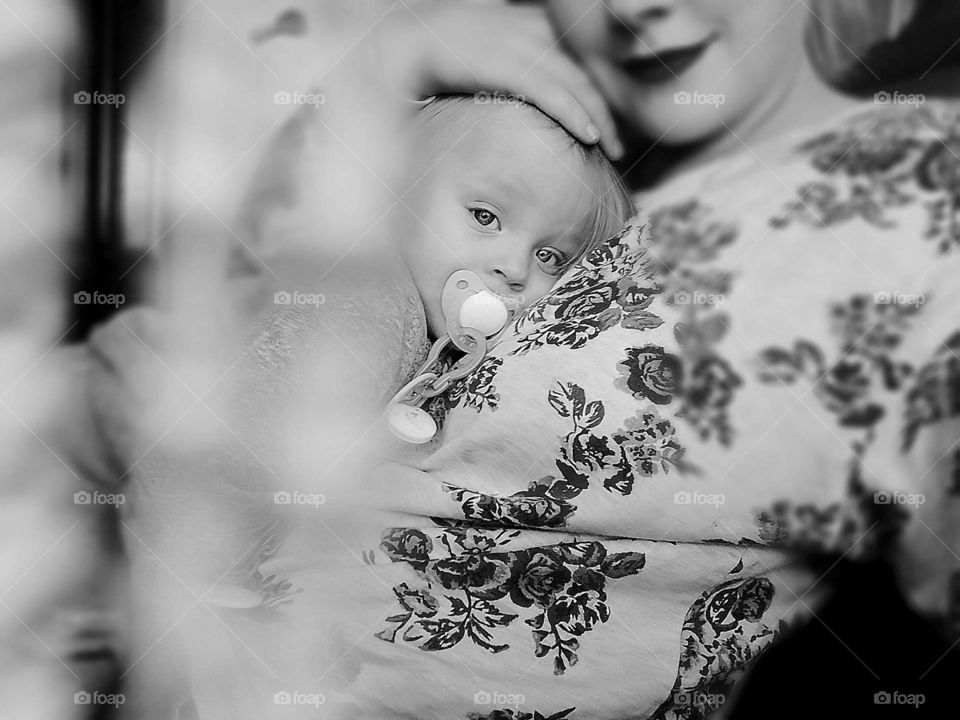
<point x="467" y="47"/>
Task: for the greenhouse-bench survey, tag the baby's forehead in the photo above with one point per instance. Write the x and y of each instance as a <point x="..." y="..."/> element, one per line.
<point x="509" y="128"/>
<point x="513" y="143"/>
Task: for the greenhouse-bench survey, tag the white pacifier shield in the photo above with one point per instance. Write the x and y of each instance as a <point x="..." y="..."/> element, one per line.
<point x="485" y="312"/>
<point x="411" y="424"/>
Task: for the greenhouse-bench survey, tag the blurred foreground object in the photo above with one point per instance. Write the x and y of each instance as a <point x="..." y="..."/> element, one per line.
<point x="53" y="633"/>
<point x="263" y="175"/>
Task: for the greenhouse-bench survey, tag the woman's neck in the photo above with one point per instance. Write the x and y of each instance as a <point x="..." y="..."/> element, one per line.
<point x="803" y="99"/>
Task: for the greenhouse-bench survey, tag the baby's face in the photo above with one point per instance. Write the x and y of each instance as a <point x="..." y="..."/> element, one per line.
<point x="507" y="201"/>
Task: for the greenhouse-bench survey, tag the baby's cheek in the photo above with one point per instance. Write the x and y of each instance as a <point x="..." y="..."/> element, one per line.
<point x="537" y="290"/>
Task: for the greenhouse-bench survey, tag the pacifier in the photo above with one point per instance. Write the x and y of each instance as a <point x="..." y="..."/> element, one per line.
<point x="469" y="305"/>
<point x="475" y="318"/>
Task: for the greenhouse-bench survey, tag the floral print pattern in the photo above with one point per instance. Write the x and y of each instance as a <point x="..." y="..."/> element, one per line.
<point x="564" y="583"/>
<point x="687" y="240"/>
<point x="466" y="580"/>
<point x="933" y="397"/>
<point x="869" y="335"/>
<point x="934" y="394"/>
<point x="723" y="633"/>
<point x="873" y="166"/>
<point x="470" y="585"/>
<point x="610" y="287"/>
<point x="510" y="714"/>
<point x="707" y="396"/>
<point x="476" y="390"/>
<point x="645" y="446"/>
<point x="650" y="373"/>
<point x="856" y="526"/>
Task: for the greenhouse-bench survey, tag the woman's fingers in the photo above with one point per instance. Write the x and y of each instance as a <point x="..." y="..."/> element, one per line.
<point x="469" y="48"/>
<point x="553" y="83"/>
<point x="589" y="99"/>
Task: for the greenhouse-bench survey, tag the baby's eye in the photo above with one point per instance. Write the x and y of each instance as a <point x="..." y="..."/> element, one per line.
<point x="485" y="217"/>
<point x="551" y="260"/>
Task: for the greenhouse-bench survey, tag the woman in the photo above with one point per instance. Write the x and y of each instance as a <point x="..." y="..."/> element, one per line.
<point x="809" y="237"/>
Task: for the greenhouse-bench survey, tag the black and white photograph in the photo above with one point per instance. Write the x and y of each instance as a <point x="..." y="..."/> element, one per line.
<point x="479" y="359"/>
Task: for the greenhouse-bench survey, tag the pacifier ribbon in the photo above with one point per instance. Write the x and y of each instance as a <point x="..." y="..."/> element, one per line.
<point x="475" y="318"/>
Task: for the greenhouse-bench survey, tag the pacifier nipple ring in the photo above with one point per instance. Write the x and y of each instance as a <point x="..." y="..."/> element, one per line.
<point x="485" y="312"/>
<point x="468" y="303"/>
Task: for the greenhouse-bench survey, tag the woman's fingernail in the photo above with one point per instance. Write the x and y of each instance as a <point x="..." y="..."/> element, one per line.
<point x="592" y="132"/>
<point x="616" y="149"/>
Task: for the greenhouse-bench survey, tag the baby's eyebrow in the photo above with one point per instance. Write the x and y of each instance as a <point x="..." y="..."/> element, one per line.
<point x="513" y="185"/>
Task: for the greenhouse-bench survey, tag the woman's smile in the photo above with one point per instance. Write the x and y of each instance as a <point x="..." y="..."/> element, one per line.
<point x="665" y="65"/>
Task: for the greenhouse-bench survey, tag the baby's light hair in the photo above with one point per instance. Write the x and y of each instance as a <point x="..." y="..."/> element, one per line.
<point x="611" y="206"/>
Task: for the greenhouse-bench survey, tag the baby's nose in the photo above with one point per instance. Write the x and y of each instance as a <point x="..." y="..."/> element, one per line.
<point x="514" y="286"/>
<point x="512" y="278"/>
<point x="508" y="265"/>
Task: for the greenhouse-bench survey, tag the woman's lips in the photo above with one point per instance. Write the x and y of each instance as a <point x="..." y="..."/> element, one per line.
<point x="665" y="65"/>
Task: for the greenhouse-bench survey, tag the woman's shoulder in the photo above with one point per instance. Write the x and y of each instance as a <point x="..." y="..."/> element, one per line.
<point x="871" y="161"/>
<point x="880" y="134"/>
<point x="868" y="137"/>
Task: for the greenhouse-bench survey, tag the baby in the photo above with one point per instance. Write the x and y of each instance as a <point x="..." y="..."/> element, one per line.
<point x="505" y="192"/>
<point x="501" y="191"/>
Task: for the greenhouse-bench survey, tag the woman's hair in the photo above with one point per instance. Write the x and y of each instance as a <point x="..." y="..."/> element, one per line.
<point x="612" y="204"/>
<point x="864" y="45"/>
<point x="841" y="32"/>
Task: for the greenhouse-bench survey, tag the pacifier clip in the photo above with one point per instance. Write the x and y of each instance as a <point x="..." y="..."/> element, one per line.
<point x="475" y="318"/>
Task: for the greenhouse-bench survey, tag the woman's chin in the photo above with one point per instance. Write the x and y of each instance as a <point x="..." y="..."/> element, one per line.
<point x="675" y="121"/>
